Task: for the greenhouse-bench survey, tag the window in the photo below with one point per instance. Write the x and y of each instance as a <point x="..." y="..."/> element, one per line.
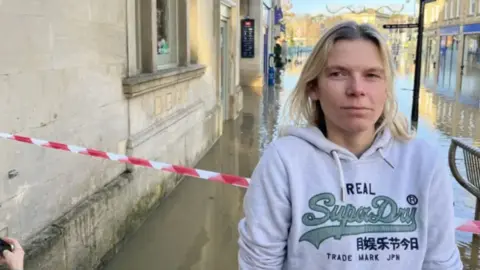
<point x="445" y="10"/>
<point x="437" y="12"/>
<point x="167" y="33"/>
<point x="452" y="10"/>
<point x="458" y="9"/>
<point x="471" y="10"/>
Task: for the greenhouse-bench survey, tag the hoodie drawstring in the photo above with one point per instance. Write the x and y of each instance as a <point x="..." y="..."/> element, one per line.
<point x="343" y="187"/>
<point x="342" y="178"/>
<point x="380" y="150"/>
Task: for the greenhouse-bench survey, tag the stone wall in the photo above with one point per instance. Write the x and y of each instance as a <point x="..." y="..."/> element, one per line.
<point x="60" y="79"/>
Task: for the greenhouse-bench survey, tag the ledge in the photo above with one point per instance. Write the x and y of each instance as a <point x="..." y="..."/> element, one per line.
<point x="162" y="125"/>
<point x="229" y="3"/>
<point x="143" y="83"/>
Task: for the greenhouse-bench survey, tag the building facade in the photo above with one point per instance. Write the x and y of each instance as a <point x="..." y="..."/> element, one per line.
<point x="153" y="79"/>
<point x="451" y="53"/>
<point x="368" y="15"/>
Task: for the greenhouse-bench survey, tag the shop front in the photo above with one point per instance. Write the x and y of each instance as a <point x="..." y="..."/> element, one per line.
<point x="471" y="63"/>
<point x="448" y="55"/>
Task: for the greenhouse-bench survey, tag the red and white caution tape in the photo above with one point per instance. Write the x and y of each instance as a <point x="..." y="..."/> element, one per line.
<point x="469" y="226"/>
<point x="202" y="174"/>
<point x="464" y="225"/>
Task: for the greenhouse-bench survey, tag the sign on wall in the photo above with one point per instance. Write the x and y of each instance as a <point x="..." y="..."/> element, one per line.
<point x="248" y="38"/>
<point x="278" y="15"/>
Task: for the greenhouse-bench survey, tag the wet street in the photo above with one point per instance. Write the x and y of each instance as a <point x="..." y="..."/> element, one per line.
<point x="196" y="226"/>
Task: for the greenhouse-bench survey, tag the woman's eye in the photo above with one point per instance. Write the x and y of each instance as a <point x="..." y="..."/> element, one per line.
<point x="336" y="74"/>
<point x="373" y="75"/>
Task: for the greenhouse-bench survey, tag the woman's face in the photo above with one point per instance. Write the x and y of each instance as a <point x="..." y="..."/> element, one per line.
<point x="352" y="90"/>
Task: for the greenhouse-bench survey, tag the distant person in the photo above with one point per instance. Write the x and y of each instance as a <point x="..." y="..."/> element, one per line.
<point x="277" y="53"/>
<point x="349" y="186"/>
<point x="14" y="259"/>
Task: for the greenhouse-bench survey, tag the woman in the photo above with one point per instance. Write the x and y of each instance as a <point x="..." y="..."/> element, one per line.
<point x="14" y="259"/>
<point x="352" y="189"/>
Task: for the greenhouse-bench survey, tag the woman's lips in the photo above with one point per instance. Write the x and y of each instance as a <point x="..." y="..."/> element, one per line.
<point x="355" y="108"/>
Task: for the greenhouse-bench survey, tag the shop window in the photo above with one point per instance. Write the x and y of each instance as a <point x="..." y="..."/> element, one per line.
<point x="167" y="32"/>
<point x="159" y="38"/>
<point x="471" y="10"/>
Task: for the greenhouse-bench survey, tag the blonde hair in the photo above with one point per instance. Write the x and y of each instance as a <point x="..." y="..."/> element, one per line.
<point x="302" y="110"/>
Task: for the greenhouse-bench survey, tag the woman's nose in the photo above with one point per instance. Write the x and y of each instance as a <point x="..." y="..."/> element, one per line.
<point x="356" y="86"/>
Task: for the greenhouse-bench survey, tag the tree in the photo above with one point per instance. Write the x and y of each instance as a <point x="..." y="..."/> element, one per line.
<point x="305" y="27"/>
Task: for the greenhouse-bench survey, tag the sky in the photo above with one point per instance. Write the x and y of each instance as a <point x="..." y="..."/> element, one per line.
<point x="318" y="6"/>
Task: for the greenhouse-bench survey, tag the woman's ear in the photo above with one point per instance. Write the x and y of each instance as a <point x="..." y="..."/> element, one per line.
<point x="312" y="90"/>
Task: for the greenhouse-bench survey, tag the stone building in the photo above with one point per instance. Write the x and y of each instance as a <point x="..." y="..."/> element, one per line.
<point x="254" y="69"/>
<point x="154" y="79"/>
<point x="451" y="54"/>
<point x="451" y="66"/>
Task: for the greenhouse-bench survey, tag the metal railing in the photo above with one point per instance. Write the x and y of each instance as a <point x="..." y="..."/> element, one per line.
<point x="472" y="168"/>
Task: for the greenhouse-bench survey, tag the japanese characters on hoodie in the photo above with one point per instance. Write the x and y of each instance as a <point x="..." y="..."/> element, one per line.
<point x="312" y="204"/>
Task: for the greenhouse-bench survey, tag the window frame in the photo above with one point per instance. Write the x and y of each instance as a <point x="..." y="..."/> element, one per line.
<point x="446" y="10"/>
<point x="143" y="42"/>
<point x="458" y="8"/>
<point x="452" y="10"/>
<point x="472" y="7"/>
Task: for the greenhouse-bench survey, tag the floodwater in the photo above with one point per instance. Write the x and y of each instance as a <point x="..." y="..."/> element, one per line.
<point x="196" y="227"/>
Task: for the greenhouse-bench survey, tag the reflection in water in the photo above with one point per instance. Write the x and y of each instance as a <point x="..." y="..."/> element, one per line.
<point x="269" y="117"/>
<point x="469" y="253"/>
<point x="450" y="115"/>
<point x="196" y="227"/>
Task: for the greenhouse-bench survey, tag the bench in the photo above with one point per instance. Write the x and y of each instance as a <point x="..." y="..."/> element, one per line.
<point x="472" y="168"/>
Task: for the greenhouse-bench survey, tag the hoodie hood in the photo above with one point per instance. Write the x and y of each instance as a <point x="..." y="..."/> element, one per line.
<point x="314" y="136"/>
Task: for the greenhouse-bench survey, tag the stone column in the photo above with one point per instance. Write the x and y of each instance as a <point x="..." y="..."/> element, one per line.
<point x="132" y="40"/>
<point x="251" y="69"/>
<point x="236" y="93"/>
<point x="148" y="11"/>
<point x="184" y="33"/>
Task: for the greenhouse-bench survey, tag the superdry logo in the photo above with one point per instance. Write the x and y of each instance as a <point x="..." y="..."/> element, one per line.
<point x="384" y="215"/>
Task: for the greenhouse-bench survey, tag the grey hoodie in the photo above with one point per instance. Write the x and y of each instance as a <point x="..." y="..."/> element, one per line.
<point x="312" y="204"/>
